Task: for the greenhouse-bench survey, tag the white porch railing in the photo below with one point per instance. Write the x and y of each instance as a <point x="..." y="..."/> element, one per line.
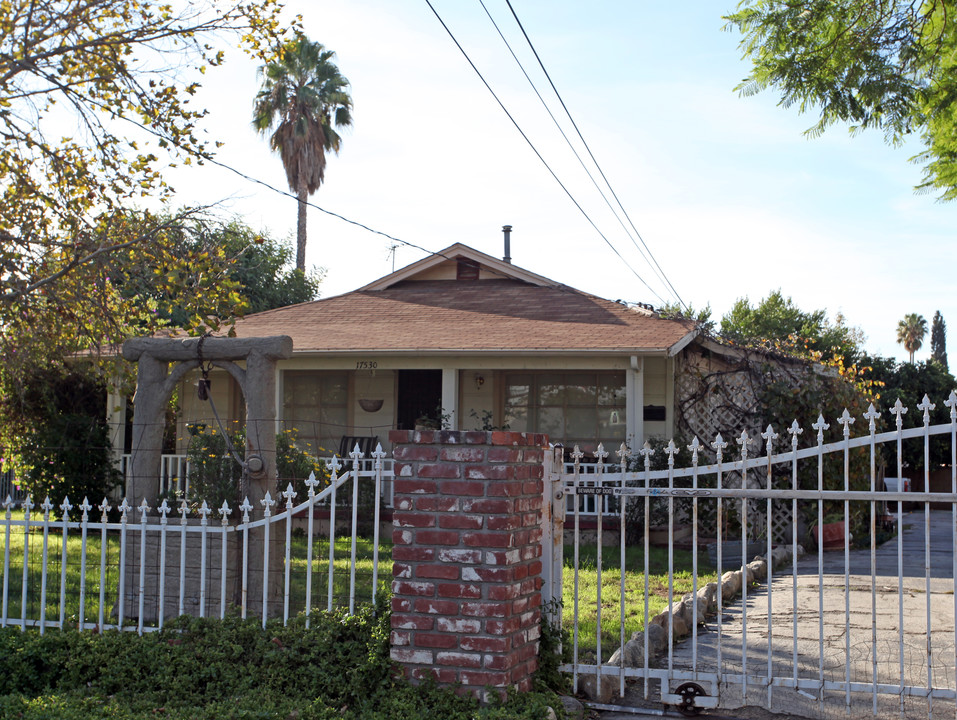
<point x="174" y="474"/>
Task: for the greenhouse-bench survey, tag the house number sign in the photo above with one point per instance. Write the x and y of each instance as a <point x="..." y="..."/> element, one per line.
<point x="366" y="364"/>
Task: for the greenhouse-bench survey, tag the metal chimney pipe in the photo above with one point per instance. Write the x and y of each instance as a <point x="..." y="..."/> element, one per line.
<point x="507" y="229"/>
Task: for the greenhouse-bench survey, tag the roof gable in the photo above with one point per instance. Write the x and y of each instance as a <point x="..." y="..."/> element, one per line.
<point x="443" y="266"/>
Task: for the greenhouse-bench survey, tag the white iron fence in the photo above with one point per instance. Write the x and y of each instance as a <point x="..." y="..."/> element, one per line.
<point x="870" y="627"/>
<point x="73" y="565"/>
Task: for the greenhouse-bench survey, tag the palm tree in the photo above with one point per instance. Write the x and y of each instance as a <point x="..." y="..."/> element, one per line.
<point x="303" y="95"/>
<point x="910" y="333"/>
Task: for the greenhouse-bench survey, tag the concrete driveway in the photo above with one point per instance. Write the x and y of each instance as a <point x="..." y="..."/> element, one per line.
<point x="900" y="619"/>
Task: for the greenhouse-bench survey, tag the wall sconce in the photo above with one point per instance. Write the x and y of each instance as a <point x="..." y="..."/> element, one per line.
<point x="479" y="381"/>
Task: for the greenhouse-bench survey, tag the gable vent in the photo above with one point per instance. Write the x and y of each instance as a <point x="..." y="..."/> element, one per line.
<point x="466" y="269"/>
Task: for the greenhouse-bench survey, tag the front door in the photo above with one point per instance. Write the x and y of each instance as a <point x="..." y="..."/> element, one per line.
<point x="419" y="397"/>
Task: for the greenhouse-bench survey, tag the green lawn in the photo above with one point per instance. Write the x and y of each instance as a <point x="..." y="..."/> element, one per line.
<point x="634" y="591"/>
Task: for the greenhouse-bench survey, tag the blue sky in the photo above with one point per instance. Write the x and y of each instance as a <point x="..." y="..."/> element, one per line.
<point x="729" y="195"/>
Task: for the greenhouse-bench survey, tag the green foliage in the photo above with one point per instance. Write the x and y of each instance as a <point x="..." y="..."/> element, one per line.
<point x="339" y="667"/>
<point x="554" y="648"/>
<point x="938" y="340"/>
<point x="887" y="66"/>
<point x="777" y="323"/>
<point x="909" y="382"/>
<point x="64" y="446"/>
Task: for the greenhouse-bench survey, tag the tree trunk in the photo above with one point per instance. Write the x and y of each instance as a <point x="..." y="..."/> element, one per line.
<point x="301" y="230"/>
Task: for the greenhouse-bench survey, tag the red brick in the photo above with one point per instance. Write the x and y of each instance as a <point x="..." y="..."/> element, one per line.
<point x="521" y="572"/>
<point x="503" y="557"/>
<point x="476" y="437"/>
<point x="462" y="454"/>
<point x="436" y="607"/>
<point x="523" y="505"/>
<point x="402" y="537"/>
<point x="412" y="622"/>
<point x="510" y="488"/>
<point x="397" y="437"/>
<point x="436" y="640"/>
<point x="458" y="625"/>
<point x="423" y="437"/>
<point x="446" y="676"/>
<point x="436" y="504"/>
<point x="503" y="592"/>
<point x="498" y="662"/>
<point x="487" y="574"/>
<point x="401" y="605"/>
<point x="459" y="521"/>
<point x="520" y="606"/>
<point x="535" y="567"/>
<point x="416" y="452"/>
<point x="407" y="587"/>
<point x="407" y="486"/>
<point x="410" y="655"/>
<point x="459" y="590"/>
<point x="486" y="644"/>
<point x="523" y="473"/>
<point x="462" y="488"/>
<point x="420" y="554"/>
<point x="534" y="487"/>
<point x="403" y="504"/>
<point x="440" y="470"/>
<point x="483" y="678"/>
<point x="399" y="638"/>
<point x="451" y="555"/>
<point x="497" y="506"/>
<point x="437" y="537"/>
<point x="401" y="570"/>
<point x="487" y="539"/>
<point x="534" y="455"/>
<point x="504" y="522"/>
<point x="503" y="627"/>
<point x="489" y="472"/>
<point x="441" y="572"/>
<point x="538" y="472"/>
<point x="458" y="659"/>
<point x="504" y="455"/>
<point x="530" y="552"/>
<point x="486" y="609"/>
<point x="412" y="519"/>
<point x="504" y="437"/>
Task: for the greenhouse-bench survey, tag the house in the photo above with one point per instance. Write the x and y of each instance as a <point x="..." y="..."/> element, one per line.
<point x="462" y="340"/>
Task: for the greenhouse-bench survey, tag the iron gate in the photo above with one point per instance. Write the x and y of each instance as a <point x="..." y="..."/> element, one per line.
<point x="866" y="626"/>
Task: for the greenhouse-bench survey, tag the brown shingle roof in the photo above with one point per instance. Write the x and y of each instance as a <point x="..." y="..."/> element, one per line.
<point x="481" y="316"/>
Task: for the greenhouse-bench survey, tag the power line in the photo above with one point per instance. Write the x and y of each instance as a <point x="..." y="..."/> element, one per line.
<point x="651" y="263"/>
<point x="537" y="153"/>
<point x="590" y="154"/>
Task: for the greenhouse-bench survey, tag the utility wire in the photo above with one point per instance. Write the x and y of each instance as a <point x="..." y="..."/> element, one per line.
<point x="650" y="261"/>
<point x="538" y="154"/>
<point x="590" y="154"/>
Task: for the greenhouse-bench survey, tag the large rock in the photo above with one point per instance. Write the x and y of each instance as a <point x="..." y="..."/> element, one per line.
<point x="758" y="569"/>
<point x="632" y="653"/>
<point x="657" y="639"/>
<point x="597" y="692"/>
<point x="730" y="585"/>
<point x="574" y="710"/>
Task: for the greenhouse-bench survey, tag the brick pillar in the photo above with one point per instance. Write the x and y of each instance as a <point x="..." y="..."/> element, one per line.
<point x="466" y="588"/>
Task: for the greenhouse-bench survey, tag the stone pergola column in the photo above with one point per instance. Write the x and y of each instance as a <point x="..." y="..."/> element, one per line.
<point x="155" y="384"/>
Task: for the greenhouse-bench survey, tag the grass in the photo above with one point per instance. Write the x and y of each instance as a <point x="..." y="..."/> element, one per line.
<point x="683" y="581"/>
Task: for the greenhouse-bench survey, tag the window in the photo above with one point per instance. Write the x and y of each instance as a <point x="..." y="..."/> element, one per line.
<point x="583" y="408"/>
<point x="314" y="405"/>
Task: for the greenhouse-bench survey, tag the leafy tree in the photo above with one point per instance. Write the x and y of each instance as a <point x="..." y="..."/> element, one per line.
<point x="886" y="65"/>
<point x="938" y="340"/>
<point x="702" y="317"/>
<point x="910" y="333"/>
<point x="117" y="77"/>
<point x="777" y="323"/>
<point x="303" y="96"/>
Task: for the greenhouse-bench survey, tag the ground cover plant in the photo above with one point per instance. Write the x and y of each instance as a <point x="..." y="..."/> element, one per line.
<point x="228" y="669"/>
